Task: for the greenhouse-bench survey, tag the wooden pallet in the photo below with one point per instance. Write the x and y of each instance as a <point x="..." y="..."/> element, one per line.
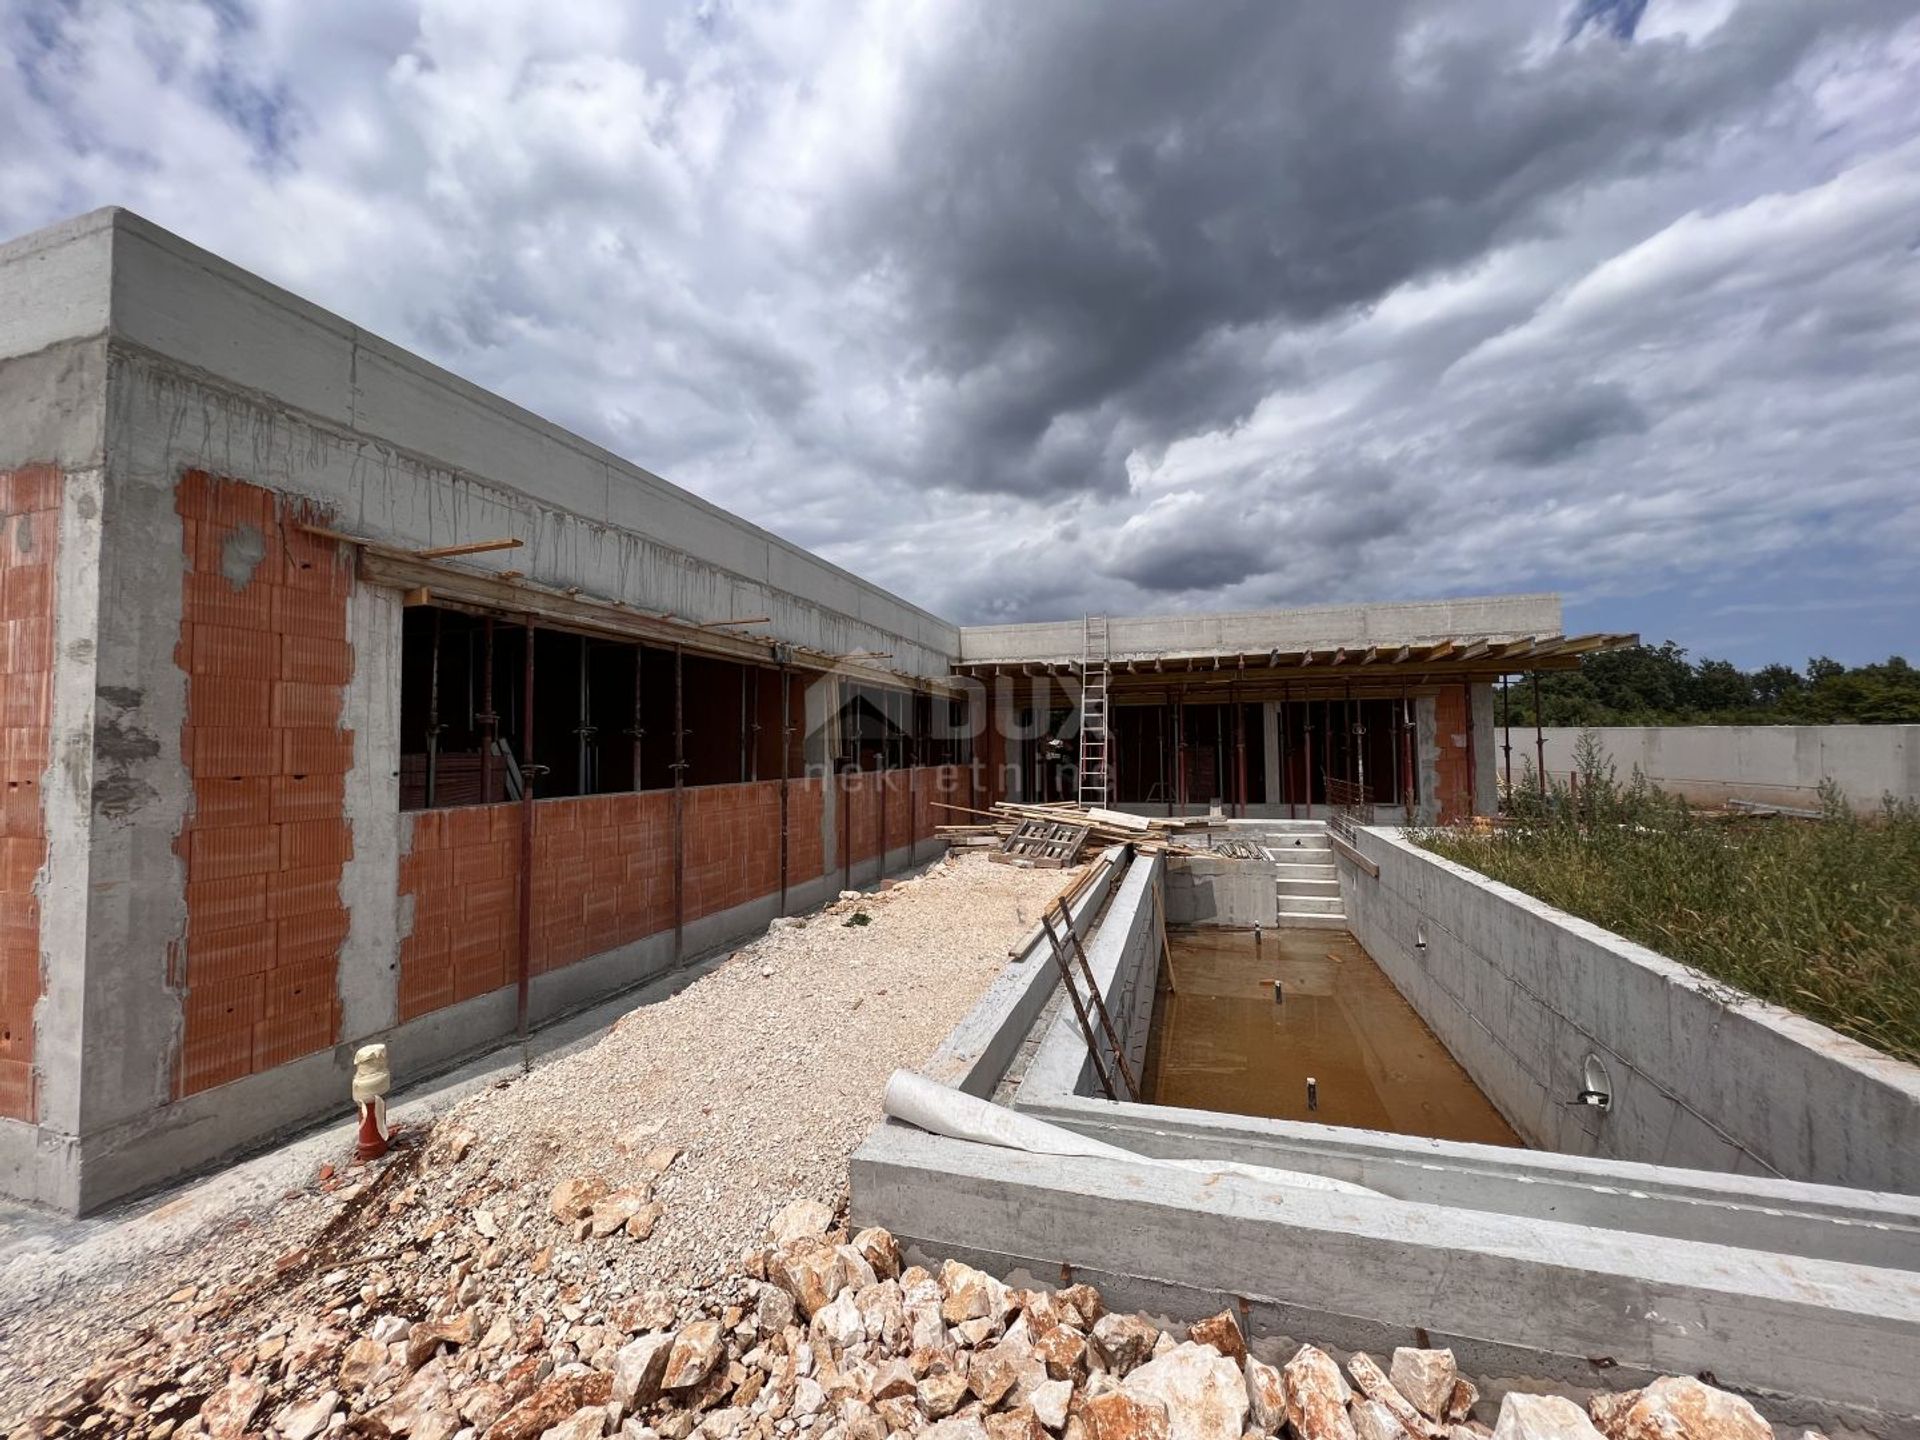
<point x="1047" y="844"/>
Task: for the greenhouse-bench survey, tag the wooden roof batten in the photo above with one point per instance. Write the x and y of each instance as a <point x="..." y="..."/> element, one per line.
<point x="1448" y="658"/>
<point x="425" y="576"/>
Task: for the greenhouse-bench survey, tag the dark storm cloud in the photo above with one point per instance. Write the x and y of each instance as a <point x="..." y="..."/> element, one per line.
<point x="1025" y="310"/>
<point x="1322" y="522"/>
<point x="1545" y="428"/>
<point x="1095" y="193"/>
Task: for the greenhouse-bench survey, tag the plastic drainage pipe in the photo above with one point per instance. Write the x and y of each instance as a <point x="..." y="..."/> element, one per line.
<point x="942" y="1110"/>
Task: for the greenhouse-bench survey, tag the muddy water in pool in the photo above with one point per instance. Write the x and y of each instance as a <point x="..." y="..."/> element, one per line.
<point x="1221" y="1042"/>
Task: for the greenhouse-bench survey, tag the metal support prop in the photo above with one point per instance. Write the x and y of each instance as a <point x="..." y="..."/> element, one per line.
<point x="433" y="714"/>
<point x="1280" y="723"/>
<point x="1240" y="752"/>
<point x="786" y="760"/>
<point x="1473" y="769"/>
<point x="1506" y="727"/>
<point x="528" y="772"/>
<point x="746" y="727"/>
<point x="846" y="826"/>
<point x="1539" y="741"/>
<point x="1160" y="753"/>
<point x="1306" y="728"/>
<point x="1180" y="752"/>
<point x="1356" y="728"/>
<point x="679" y="806"/>
<point x="488" y="718"/>
<point x="883" y="775"/>
<point x="637" y="732"/>
<point x="1406" y="751"/>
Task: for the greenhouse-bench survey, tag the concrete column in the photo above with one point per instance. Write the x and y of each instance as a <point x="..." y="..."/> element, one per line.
<point x="67" y="808"/>
<point x="1270" y="738"/>
<point x="370" y="882"/>
<point x="136" y="917"/>
<point x="1426" y="759"/>
<point x="1008" y="734"/>
<point x="1486" y="750"/>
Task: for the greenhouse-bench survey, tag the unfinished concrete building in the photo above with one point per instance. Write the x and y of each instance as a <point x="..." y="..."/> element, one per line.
<point x="345" y="701"/>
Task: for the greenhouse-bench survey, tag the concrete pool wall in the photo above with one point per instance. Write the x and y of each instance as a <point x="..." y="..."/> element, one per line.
<point x="1587" y="1269"/>
<point x="1700" y="1075"/>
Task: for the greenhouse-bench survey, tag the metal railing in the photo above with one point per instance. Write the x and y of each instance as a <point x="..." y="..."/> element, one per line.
<point x="1348" y="805"/>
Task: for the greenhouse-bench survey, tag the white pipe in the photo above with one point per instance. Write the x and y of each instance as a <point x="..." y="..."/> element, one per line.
<point x="942" y="1110"/>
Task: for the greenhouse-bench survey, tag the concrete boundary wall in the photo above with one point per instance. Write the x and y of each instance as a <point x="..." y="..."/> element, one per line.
<point x="1702" y="1077"/>
<point x="1772" y="764"/>
<point x="1781" y="1217"/>
<point x="1816" y="1341"/>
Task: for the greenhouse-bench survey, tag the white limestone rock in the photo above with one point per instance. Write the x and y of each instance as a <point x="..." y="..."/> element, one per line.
<point x="1426" y="1377"/>
<point x="1542" y="1417"/>
<point x="1266" y="1397"/>
<point x="1316" y="1396"/>
<point x="1204" y="1392"/>
<point x="638" y="1369"/>
<point x="1678" y="1407"/>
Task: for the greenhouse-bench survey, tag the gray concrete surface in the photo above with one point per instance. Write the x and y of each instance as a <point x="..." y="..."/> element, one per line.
<point x="1322" y="627"/>
<point x="1783" y="1217"/>
<point x="1581" y="1269"/>
<point x="219" y="367"/>
<point x="1818" y="1341"/>
<point x="1237" y="894"/>
<point x="1771" y="764"/>
<point x="1701" y="1076"/>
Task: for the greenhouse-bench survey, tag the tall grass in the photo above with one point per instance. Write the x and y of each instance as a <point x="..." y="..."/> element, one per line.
<point x="1822" y="917"/>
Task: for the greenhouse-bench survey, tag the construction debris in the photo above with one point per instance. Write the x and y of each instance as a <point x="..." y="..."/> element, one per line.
<point x="818" y="1332"/>
<point x="1058" y="834"/>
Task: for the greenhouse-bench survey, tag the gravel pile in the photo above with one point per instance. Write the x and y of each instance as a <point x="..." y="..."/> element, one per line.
<point x="696" y="1119"/>
<point x="767" y="1074"/>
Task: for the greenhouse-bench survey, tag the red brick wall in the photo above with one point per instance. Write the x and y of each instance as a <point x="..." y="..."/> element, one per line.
<point x="946" y="784"/>
<point x="603" y="871"/>
<point x="29" y="522"/>
<point x="1454" y="794"/>
<point x="462" y="868"/>
<point x="267" y="663"/>
<point x="860" y="829"/>
<point x="732" y="846"/>
<point x="602" y="874"/>
<point x="806" y="850"/>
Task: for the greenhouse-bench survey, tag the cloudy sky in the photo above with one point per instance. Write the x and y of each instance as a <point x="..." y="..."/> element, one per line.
<point x="1025" y="309"/>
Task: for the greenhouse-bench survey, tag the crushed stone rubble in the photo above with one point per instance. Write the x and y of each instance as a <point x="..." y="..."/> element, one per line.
<point x="820" y="1335"/>
<point x="647" y="1240"/>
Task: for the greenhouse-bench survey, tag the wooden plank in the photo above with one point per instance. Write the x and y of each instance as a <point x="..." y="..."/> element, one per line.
<point x="472" y="547"/>
<point x="1342" y="848"/>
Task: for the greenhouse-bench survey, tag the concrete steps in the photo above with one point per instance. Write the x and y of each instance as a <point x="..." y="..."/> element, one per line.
<point x="1306" y="920"/>
<point x="1306" y="887"/>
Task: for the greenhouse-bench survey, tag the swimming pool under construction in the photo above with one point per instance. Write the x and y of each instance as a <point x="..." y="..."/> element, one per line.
<point x="1364" y="1095"/>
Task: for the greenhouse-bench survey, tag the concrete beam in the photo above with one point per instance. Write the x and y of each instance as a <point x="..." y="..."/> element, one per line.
<point x="1328" y="628"/>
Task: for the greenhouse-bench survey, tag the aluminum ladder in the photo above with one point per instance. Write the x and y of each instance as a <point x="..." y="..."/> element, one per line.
<point x="1095" y="741"/>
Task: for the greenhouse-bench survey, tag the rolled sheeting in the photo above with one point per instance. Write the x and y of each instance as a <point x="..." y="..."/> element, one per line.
<point x="942" y="1110"/>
